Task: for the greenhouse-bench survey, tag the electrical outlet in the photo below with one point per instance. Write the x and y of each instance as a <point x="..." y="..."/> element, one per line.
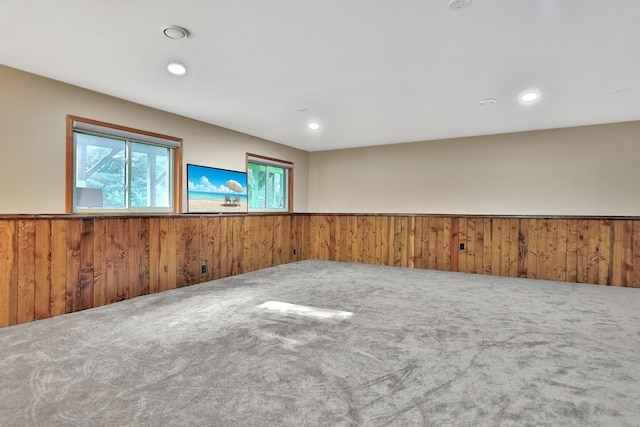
<point x="293" y="252"/>
<point x="462" y="246"/>
<point x="204" y="269"/>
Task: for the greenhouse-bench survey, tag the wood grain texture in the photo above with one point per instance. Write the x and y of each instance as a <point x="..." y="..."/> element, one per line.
<point x="57" y="265"/>
<point x="8" y="279"/>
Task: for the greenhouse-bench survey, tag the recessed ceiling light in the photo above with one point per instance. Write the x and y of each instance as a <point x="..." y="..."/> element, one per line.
<point x="314" y="126"/>
<point x="488" y="101"/>
<point x="530" y="96"/>
<point x="619" y="90"/>
<point x="175" y="33"/>
<point x="177" y="69"/>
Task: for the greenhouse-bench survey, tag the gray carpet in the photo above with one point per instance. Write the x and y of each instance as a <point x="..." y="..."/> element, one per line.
<point x="421" y="348"/>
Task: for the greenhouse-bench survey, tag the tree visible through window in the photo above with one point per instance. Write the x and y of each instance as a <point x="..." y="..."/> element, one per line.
<point x="268" y="184"/>
<point x="121" y="170"/>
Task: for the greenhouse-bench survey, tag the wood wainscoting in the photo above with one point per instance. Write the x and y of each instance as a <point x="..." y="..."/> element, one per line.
<point x="61" y="264"/>
<point x="52" y="265"/>
<point x="603" y="251"/>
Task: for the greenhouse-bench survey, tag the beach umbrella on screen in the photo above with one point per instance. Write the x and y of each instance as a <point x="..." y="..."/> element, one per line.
<point x="234" y="186"/>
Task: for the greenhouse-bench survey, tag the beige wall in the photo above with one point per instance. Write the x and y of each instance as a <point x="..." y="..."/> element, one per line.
<point x="32" y="131"/>
<point x="576" y="171"/>
<point x="592" y="170"/>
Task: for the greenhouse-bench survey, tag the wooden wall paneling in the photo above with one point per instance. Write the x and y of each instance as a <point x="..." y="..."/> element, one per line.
<point x="305" y="236"/>
<point x="486" y="246"/>
<point x="26" y="271"/>
<point x="636" y="254"/>
<point x="58" y="266"/>
<point x="134" y="247"/>
<point x="266" y="259"/>
<point x="323" y="235"/>
<point x="86" y="282"/>
<point x="604" y="245"/>
<point x="430" y="243"/>
<point x="532" y="248"/>
<point x="353" y="239"/>
<point x="237" y="263"/>
<point x="282" y="253"/>
<point x="378" y="238"/>
<point x="144" y="256"/>
<point x="453" y="244"/>
<point x="505" y="249"/>
<point x="100" y="242"/>
<point x="211" y="243"/>
<point x="72" y="285"/>
<point x="371" y="230"/>
<point x="572" y="250"/>
<point x="593" y="254"/>
<point x="226" y="245"/>
<point x="411" y="242"/>
<point x="496" y="247"/>
<point x="327" y="248"/>
<point x="386" y="233"/>
<point x="300" y="237"/>
<point x="287" y="222"/>
<point x="462" y="239"/>
<point x="314" y="243"/>
<point x="446" y="244"/>
<point x="396" y="243"/>
<point x="250" y="256"/>
<point x="238" y="247"/>
<point x="343" y="250"/>
<point x="171" y="248"/>
<point x="583" y="251"/>
<point x="8" y="272"/>
<point x="514" y="248"/>
<point x="561" y="250"/>
<point x="470" y="245"/>
<point x="523" y="234"/>
<point x="542" y="259"/>
<point x="154" y="255"/>
<point x="52" y="266"/>
<point x="424" y="242"/>
<point x="417" y="242"/>
<point x="294" y="238"/>
<point x="363" y="242"/>
<point x="550" y="253"/>
<point x="403" y="236"/>
<point x="478" y="246"/>
<point x="183" y="240"/>
<point x="622" y="253"/>
<point x="123" y="244"/>
<point x="627" y="253"/>
<point x="439" y="243"/>
<point x="42" y="277"/>
<point x="190" y="245"/>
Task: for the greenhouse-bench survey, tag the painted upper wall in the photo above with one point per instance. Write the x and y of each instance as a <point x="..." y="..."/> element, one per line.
<point x="589" y="170"/>
<point x="33" y="130"/>
<point x="592" y="170"/>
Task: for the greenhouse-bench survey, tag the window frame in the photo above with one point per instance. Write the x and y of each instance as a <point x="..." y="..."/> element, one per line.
<point x="70" y="168"/>
<point x="270" y="161"/>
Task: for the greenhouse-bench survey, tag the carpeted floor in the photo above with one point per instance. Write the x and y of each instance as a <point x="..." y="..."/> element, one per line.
<point x="421" y="348"/>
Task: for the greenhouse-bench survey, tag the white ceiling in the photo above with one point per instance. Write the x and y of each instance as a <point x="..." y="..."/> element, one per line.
<point x="368" y="71"/>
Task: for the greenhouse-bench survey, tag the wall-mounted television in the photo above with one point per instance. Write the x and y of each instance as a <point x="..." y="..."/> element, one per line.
<point x="213" y="190"/>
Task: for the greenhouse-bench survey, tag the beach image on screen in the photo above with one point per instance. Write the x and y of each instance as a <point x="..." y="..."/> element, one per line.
<point x="212" y="190"/>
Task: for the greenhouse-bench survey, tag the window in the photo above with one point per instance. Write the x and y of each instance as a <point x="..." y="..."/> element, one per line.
<point x="269" y="184"/>
<point x="112" y="168"/>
